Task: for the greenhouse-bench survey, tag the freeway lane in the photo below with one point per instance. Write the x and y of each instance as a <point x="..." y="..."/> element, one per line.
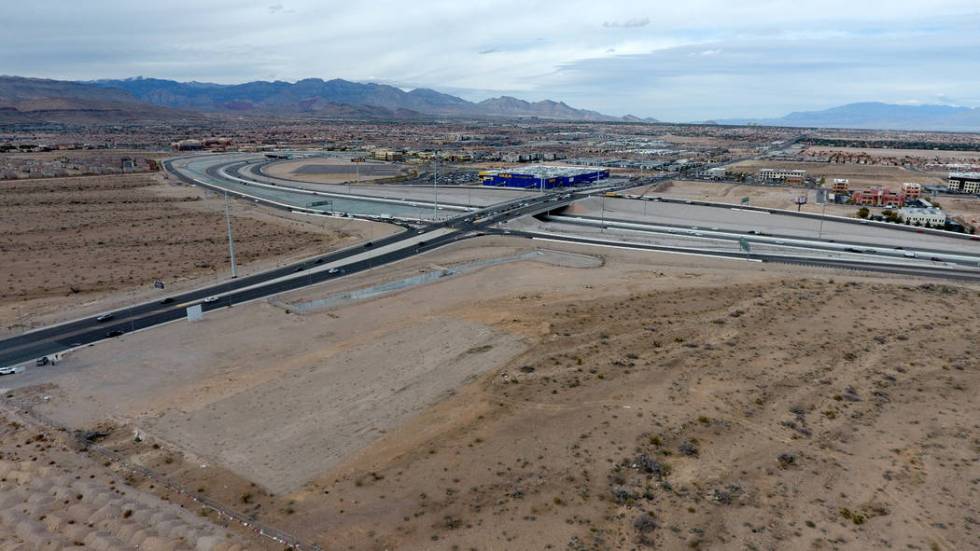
<point x="49" y="340"/>
<point x="28" y="346"/>
<point x="910" y="251"/>
<point x="86" y="333"/>
<point x="881" y="267"/>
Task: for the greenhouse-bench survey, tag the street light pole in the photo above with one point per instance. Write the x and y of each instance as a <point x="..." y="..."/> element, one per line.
<point x="231" y="241"/>
<point x="823" y="213"/>
<point x="435" y="186"/>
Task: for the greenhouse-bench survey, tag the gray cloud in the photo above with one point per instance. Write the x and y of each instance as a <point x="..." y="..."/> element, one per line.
<point x="627" y="24"/>
<point x="705" y="59"/>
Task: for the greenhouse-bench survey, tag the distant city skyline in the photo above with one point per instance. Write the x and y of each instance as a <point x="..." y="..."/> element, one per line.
<point x="705" y="60"/>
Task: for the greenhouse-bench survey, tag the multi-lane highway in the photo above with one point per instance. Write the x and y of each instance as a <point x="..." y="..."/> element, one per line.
<point x="691" y="233"/>
<point x="49" y="340"/>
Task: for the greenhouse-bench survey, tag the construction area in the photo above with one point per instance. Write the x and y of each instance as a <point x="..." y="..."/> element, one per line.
<point x="517" y="397"/>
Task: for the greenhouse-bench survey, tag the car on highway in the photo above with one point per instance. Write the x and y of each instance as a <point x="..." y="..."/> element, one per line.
<point x="168" y="300"/>
<point x="104" y="318"/>
<point x="910" y="254"/>
<point x="114" y="333"/>
<point x="211" y="299"/>
<point x="334" y="271"/>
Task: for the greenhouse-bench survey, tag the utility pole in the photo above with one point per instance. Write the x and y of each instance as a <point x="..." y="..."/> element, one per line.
<point x="823" y="214"/>
<point x="435" y="186"/>
<point x="231" y="241"/>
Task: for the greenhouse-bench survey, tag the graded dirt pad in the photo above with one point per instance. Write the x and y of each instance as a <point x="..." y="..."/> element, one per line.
<point x="792" y="414"/>
<point x="860" y="176"/>
<point x="653" y="401"/>
<point x="759" y="196"/>
<point x="70" y="241"/>
<point x="925" y="154"/>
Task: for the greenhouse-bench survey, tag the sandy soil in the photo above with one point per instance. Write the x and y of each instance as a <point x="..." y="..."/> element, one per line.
<point x="860" y="176"/>
<point x="333" y="171"/>
<point x="759" y="196"/>
<point x="70" y="500"/>
<point x="76" y="241"/>
<point x="662" y="401"/>
<point x="964" y="208"/>
<point x="929" y="154"/>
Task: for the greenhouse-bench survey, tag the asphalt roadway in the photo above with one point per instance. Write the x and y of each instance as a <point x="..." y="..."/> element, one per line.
<point x="57" y="338"/>
<point x="49" y="340"/>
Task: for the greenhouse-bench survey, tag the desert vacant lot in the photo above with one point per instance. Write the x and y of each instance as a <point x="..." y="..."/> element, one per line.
<point x="71" y="241"/>
<point x="860" y="176"/>
<point x="759" y="196"/>
<point x="645" y="400"/>
<point x="925" y="154"/>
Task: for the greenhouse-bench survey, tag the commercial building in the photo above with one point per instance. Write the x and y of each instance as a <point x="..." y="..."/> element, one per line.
<point x="540" y="176"/>
<point x="911" y="190"/>
<point x="964" y="182"/>
<point x="840" y="185"/>
<point x="793" y="177"/>
<point x="388" y="155"/>
<point x="929" y="217"/>
<point x="877" y="197"/>
<point x="717" y="173"/>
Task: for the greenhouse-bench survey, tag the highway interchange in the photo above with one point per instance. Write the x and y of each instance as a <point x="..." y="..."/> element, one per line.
<point x="464" y="212"/>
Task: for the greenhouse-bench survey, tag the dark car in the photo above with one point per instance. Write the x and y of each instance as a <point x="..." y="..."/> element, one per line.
<point x="114" y="333"/>
<point x="168" y="300"/>
<point x="368" y="245"/>
<point x="104" y="318"/>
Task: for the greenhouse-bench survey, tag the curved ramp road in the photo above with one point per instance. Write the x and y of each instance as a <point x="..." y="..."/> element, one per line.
<point x="222" y="173"/>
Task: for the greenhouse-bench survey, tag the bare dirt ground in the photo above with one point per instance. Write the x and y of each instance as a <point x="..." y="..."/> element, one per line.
<point x="655" y="401"/>
<point x="926" y="154"/>
<point x="860" y="176"/>
<point x="964" y="208"/>
<point x="55" y="496"/>
<point x="97" y="239"/>
<point x="333" y="170"/>
<point x="759" y="196"/>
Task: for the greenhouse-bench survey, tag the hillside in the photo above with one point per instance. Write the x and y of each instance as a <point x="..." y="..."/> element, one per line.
<point x="32" y="100"/>
<point x="308" y="96"/>
<point x="876" y="115"/>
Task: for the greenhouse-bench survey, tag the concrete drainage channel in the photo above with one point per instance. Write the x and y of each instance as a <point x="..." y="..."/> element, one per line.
<point x="556" y="258"/>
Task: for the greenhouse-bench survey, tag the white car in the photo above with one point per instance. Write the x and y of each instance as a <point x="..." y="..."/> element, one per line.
<point x="211" y="299"/>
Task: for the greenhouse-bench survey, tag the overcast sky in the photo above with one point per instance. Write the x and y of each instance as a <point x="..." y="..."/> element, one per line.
<point x="681" y="61"/>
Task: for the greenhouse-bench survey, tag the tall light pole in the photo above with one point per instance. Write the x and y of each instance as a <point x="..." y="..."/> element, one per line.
<point x="231" y="241"/>
<point x="435" y="186"/>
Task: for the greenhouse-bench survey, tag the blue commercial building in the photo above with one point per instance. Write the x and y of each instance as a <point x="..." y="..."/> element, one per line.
<point x="547" y="177"/>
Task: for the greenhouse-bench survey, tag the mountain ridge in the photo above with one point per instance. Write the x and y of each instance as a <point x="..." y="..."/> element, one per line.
<point x="24" y="99"/>
<point x="873" y="115"/>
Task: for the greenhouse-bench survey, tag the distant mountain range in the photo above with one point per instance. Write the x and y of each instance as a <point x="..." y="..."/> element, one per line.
<point x="880" y="116"/>
<point x="28" y="99"/>
<point x="149" y="99"/>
